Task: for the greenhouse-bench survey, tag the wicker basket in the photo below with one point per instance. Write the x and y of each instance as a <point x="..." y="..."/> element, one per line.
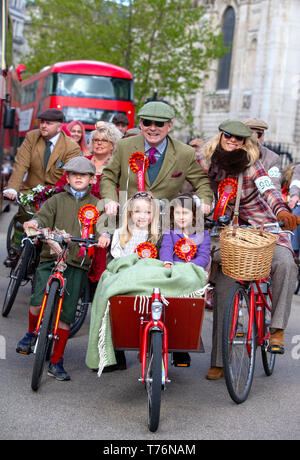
<point x="248" y="254"/>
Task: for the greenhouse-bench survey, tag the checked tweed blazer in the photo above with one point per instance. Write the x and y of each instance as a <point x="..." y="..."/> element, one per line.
<point x="179" y="164"/>
<point x="30" y="160"/>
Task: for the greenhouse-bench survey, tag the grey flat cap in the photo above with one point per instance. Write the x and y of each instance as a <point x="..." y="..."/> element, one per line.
<point x="80" y="165"/>
<point x="256" y="123"/>
<point x="157" y="111"/>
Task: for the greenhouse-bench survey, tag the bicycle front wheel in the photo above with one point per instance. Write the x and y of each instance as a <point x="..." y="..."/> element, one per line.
<point x="238" y="352"/>
<point x="44" y="339"/>
<point x="17" y="275"/>
<point x="154" y="379"/>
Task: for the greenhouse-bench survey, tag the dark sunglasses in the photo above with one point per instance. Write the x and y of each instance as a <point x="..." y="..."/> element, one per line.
<point x="259" y="134"/>
<point x="229" y="136"/>
<point x="148" y="123"/>
<point x="141" y="195"/>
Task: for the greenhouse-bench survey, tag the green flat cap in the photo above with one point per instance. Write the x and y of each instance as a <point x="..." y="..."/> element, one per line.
<point x="80" y="165"/>
<point x="236" y="128"/>
<point x="157" y="111"/>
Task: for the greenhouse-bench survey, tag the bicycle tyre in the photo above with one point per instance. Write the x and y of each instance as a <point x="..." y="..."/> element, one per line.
<point x="268" y="359"/>
<point x="44" y="341"/>
<point x="82" y="309"/>
<point x="238" y="362"/>
<point x="10" y="235"/>
<point x="17" y="275"/>
<point x="154" y="379"/>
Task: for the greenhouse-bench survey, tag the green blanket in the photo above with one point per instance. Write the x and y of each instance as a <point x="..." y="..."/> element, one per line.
<point x="134" y="276"/>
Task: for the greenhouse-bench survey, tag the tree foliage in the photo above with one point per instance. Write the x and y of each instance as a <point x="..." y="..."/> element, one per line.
<point x="168" y="45"/>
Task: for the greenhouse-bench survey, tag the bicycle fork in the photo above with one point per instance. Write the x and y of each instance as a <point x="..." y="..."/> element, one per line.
<point x="146" y="327"/>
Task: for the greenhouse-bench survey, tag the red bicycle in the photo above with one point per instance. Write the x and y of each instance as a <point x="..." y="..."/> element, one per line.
<point x="155" y="328"/>
<point x="246" y="326"/>
<point x="47" y="325"/>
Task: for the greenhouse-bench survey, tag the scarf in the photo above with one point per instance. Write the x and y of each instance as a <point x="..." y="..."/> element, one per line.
<point x="224" y="163"/>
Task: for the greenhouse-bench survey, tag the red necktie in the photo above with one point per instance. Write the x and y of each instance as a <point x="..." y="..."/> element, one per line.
<point x="151" y="155"/>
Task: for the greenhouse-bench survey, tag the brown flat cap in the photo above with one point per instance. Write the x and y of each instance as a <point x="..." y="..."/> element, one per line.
<point x="52" y="115"/>
<point x="256" y="123"/>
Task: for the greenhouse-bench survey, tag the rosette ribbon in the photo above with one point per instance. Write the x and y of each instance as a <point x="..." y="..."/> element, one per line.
<point x="185" y="249"/>
<point x="146" y="250"/>
<point x="88" y="216"/>
<point x="227" y="190"/>
<point x="139" y="163"/>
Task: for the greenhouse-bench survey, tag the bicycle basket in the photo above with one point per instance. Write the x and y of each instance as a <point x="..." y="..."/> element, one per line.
<point x="247" y="253"/>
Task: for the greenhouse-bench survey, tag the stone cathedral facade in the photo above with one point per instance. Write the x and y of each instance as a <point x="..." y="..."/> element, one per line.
<point x="260" y="76"/>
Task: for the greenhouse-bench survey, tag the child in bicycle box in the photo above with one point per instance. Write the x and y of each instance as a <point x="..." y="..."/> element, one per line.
<point x="62" y="212"/>
<point x="186" y="241"/>
<point x="139" y="225"/>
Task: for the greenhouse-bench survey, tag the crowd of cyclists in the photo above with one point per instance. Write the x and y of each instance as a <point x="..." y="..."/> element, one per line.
<point x="106" y="177"/>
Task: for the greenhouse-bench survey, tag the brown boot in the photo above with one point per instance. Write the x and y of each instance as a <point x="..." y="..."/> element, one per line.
<point x="215" y="373"/>
<point x="276" y="344"/>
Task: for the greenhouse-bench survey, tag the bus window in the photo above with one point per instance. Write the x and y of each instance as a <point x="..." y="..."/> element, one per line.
<point x="92" y="86"/>
<point x="29" y="92"/>
<point x="46" y="91"/>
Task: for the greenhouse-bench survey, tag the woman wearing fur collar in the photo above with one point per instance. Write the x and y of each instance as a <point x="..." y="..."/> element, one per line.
<point x="230" y="153"/>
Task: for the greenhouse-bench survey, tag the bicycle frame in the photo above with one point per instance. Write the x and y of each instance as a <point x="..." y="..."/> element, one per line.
<point x="257" y="304"/>
<point x="62" y="281"/>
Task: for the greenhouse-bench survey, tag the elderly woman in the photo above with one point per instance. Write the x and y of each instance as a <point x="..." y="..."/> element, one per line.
<point x="228" y="155"/>
<point x="77" y="132"/>
<point x="102" y="144"/>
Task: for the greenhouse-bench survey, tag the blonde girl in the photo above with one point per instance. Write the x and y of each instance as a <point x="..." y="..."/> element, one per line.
<point x="140" y="223"/>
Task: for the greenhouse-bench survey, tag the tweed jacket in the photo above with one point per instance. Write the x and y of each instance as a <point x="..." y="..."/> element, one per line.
<point x="260" y="200"/>
<point x="61" y="211"/>
<point x="271" y="163"/>
<point x="179" y="164"/>
<point x="30" y="160"/>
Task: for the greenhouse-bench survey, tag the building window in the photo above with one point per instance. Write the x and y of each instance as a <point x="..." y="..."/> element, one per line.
<point x="225" y="62"/>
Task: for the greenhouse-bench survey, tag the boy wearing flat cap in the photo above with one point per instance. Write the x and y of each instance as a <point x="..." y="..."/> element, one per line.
<point x="170" y="161"/>
<point x="41" y="158"/>
<point x="61" y="212"/>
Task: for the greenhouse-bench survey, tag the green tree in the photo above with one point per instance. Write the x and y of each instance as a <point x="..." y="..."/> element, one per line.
<point x="168" y="45"/>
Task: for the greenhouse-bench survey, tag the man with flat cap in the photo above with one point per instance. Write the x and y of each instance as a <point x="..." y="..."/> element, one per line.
<point x="170" y="161"/>
<point x="269" y="159"/>
<point x="41" y="157"/>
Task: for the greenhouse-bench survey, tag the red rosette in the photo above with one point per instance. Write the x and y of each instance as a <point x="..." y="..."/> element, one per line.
<point x="139" y="163"/>
<point x="227" y="190"/>
<point x="88" y="216"/>
<point x="185" y="249"/>
<point x="146" y="250"/>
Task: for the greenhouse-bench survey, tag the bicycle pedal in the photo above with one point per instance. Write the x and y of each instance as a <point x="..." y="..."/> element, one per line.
<point x="175" y="364"/>
<point x="276" y="349"/>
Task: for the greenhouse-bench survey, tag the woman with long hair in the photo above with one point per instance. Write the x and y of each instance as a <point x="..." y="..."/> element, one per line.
<point x="77" y="132"/>
<point x="230" y="155"/>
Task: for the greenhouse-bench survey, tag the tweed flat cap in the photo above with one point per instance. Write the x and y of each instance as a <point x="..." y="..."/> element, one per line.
<point x="157" y="111"/>
<point x="52" y="115"/>
<point x="80" y="165"/>
<point x="255" y="123"/>
<point x="236" y="128"/>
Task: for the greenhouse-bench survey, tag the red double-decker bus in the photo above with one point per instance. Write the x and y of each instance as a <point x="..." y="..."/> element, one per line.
<point x="87" y="91"/>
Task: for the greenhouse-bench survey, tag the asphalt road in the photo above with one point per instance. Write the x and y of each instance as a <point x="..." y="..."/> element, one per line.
<point x="114" y="407"/>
